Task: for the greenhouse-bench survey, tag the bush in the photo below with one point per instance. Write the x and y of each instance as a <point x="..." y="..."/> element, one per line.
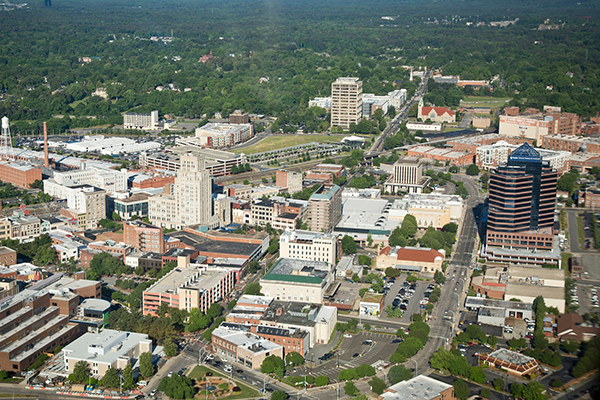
<point x="556" y="383"/>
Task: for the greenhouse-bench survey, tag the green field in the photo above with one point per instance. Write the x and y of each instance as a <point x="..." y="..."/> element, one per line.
<point x="275" y="142"/>
<point x="483" y="101"/>
<point x="247" y="391"/>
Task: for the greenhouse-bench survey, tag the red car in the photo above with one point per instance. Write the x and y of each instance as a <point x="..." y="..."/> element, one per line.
<point x="529" y="335"/>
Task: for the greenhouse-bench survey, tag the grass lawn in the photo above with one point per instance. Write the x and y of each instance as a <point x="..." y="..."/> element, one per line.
<point x="484" y="101"/>
<point x="279" y="141"/>
<point x="247" y="391"/>
<point x="580" y="231"/>
<point x="565" y="263"/>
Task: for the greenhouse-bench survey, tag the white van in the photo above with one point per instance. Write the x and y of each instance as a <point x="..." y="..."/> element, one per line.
<point x="142" y="383"/>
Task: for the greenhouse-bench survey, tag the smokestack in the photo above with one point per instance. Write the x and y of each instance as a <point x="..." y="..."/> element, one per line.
<point x="46" y="163"/>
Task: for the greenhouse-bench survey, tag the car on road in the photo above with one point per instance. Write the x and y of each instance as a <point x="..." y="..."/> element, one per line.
<point x="182" y="371"/>
<point x="355" y="355"/>
<point x="347" y="335"/>
<point x="397" y="341"/>
<point x="239" y="371"/>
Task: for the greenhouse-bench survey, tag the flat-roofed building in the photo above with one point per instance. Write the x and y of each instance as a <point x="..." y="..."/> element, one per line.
<point x="8" y="256"/>
<point x="219" y="135"/>
<point x="289" y="179"/>
<point x="106" y="349"/>
<point x="109" y="180"/>
<point x="187" y="287"/>
<point x="239" y="117"/>
<point x="291" y="339"/>
<point x="307" y="245"/>
<point x="245" y="348"/>
<point x="434" y="210"/>
<point x="420" y="387"/>
<point x="453" y="157"/>
<point x="217" y="162"/>
<point x="325" y="208"/>
<point x="145" y="121"/>
<point x="136" y="204"/>
<point x="346" y="102"/>
<point x="495" y="312"/>
<point x="249" y="310"/>
<point x="491" y="156"/>
<point x="143" y="236"/>
<point x="297" y="280"/>
<point x="571" y="143"/>
<point x="87" y="204"/>
<point x="34" y="322"/>
<point x="19" y="174"/>
<point x="408" y="176"/>
<point x="24" y="228"/>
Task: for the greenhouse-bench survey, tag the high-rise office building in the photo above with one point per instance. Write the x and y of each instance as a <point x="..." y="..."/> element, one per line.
<point x="325" y="208"/>
<point x="191" y="199"/>
<point x="522" y="202"/>
<point x="346" y="102"/>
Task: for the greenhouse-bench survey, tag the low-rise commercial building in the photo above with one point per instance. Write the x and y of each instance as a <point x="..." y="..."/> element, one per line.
<point x="245" y="348"/>
<point x="420" y="387"/>
<point x="134" y="205"/>
<point x="108" y="180"/>
<point x="435" y="210"/>
<point x="292" y="340"/>
<point x="297" y="280"/>
<point x="571" y="326"/>
<point x="411" y="259"/>
<point x="106" y="349"/>
<point x="307" y="245"/>
<point x="514" y="363"/>
<point x="8" y="256"/>
<point x="452" y="157"/>
<point x="495" y="312"/>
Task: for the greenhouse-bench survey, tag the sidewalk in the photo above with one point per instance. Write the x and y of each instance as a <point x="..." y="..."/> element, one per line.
<point x="313" y="355"/>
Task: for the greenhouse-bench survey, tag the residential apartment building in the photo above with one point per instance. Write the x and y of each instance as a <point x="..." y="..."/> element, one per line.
<point x="19" y="174"/>
<point x="191" y="201"/>
<point x="346" y="102"/>
<point x="34" y="322"/>
<point x="144" y="237"/>
<point x="87" y="204"/>
<point x="106" y="349"/>
<point x="325" y="208"/>
<point x="307" y="245"/>
<point x="289" y="179"/>
<point x="407" y="176"/>
<point x="522" y="202"/>
<point x="141" y="120"/>
<point x="491" y="156"/>
<point x="571" y="143"/>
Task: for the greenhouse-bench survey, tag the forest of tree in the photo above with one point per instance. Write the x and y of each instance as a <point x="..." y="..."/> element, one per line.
<point x="301" y="46"/>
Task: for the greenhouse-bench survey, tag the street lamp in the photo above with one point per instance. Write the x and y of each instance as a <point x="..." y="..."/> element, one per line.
<point x="338" y="389"/>
<point x="416" y="366"/>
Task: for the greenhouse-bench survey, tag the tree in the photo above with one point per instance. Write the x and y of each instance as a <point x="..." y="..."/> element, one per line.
<point x="377" y="385"/>
<point x="516" y="389"/>
<point x="348" y="245"/>
<point x="279" y="395"/>
<point x="556" y="383"/>
<point x="214" y="310"/>
<point x="571" y="346"/>
<point x="128" y="380"/>
<point x="485" y="393"/>
<point x="170" y="348"/>
<point x="197" y="321"/>
<point x="439" y="277"/>
<point x="461" y="389"/>
<point x="369" y="240"/>
<point x="365" y="370"/>
<point x="399" y="373"/>
<point x="147" y="369"/>
<point x="534" y="391"/>
<point x="498" y="383"/>
<point x="177" y="387"/>
<point x="253" y="289"/>
<point x="294" y="359"/>
<point x="472" y="169"/>
<point x="348" y="374"/>
<point x="409" y="226"/>
<point x="477" y="375"/>
<point x="231" y="304"/>
<point x="392" y="272"/>
<point x="111" y="378"/>
<point x="321" y="380"/>
<point x="273" y="365"/>
<point x="81" y="372"/>
<point x="351" y="389"/>
<point x="364" y="259"/>
<point x="492" y="340"/>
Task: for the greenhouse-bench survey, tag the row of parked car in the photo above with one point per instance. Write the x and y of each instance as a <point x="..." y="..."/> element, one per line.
<point x="594" y="296"/>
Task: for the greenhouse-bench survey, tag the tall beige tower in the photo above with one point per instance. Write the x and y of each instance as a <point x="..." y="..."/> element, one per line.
<point x="346" y="102"/>
<point x="193" y="191"/>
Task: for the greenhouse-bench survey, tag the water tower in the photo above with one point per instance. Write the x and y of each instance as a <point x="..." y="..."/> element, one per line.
<point x="5" y="140"/>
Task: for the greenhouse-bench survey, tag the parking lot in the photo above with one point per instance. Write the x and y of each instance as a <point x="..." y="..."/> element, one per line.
<point x="352" y="353"/>
<point x="413" y="306"/>
<point x="586" y="296"/>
